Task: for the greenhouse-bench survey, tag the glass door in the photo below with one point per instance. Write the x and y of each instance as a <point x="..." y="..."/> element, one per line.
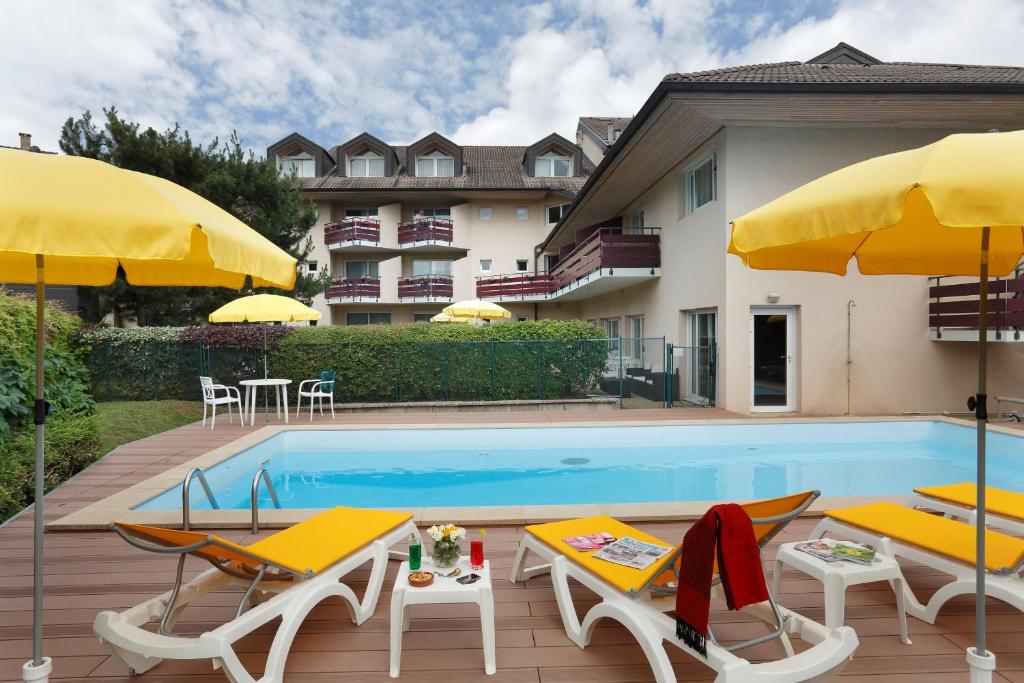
<point x="700" y="384"/>
<point x="773" y="351"/>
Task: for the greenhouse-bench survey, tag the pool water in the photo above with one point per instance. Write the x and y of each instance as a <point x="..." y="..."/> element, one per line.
<point x="413" y="468"/>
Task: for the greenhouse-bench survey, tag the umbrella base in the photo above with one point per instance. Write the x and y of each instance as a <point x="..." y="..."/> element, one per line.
<point x="37" y="674"/>
<point x="982" y="666"/>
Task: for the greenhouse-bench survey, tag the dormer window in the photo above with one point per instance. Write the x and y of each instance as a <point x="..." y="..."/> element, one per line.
<point x="366" y="165"/>
<point x="435" y="164"/>
<point x="551" y="164"/>
<point x="301" y="164"/>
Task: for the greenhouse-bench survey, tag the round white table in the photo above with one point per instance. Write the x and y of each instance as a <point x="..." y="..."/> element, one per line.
<point x="251" y="387"/>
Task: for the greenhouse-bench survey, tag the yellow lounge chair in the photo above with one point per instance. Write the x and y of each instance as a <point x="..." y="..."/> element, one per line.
<point x="638" y="599"/>
<point x="944" y="544"/>
<point x="1003" y="509"/>
<point x="286" y="575"/>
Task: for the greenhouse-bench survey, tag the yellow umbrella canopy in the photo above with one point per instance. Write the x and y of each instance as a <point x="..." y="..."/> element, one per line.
<point x="262" y="308"/>
<point x="476" y="308"/>
<point x="87" y="218"/>
<point x="919" y="212"/>
<point x="74" y="221"/>
<point x="955" y="207"/>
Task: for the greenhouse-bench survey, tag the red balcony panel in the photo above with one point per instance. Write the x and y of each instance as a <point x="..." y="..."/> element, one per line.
<point x="958" y="305"/>
<point x="352" y="229"/>
<point x="360" y="287"/>
<point x="425" y="230"/>
<point x="513" y="286"/>
<point x="608" y="248"/>
<point x="425" y="286"/>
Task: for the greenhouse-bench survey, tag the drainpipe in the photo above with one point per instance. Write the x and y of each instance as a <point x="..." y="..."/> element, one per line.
<point x="850" y="305"/>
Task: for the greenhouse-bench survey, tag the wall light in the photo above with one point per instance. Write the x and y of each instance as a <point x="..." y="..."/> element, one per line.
<point x="772" y="298"/>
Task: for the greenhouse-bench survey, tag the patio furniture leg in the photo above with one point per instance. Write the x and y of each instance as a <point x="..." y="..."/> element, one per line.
<point x="204" y="413"/>
<point x="284" y="392"/>
<point x="311" y="404"/>
<point x="231" y="420"/>
<point x="298" y="404"/>
<point x="213" y="422"/>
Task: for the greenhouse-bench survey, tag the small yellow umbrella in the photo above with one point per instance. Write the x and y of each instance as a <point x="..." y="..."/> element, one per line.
<point x="955" y="207"/>
<point x="75" y="221"/>
<point x="477" y="309"/>
<point x="445" y="318"/>
<point x="263" y="308"/>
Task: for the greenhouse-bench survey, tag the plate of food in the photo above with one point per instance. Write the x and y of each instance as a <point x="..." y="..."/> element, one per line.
<point x="421" y="579"/>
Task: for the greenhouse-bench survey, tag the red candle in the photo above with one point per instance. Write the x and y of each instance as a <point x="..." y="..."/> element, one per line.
<point x="476" y="554"/>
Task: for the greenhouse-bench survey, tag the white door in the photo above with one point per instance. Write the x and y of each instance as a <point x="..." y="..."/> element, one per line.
<point x="773" y="359"/>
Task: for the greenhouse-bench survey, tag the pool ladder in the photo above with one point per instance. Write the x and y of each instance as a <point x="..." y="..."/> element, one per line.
<point x="261" y="475"/>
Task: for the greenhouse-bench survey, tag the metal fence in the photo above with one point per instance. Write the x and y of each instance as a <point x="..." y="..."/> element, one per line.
<point x="639" y="372"/>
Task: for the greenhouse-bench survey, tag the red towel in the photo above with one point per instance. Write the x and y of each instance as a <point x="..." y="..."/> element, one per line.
<point x="725" y="532"/>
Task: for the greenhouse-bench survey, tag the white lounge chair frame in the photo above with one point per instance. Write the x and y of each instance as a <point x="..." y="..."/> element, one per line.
<point x="644" y="616"/>
<point x="313" y="393"/>
<point x="1007" y="584"/>
<point x="285" y="594"/>
<point x="968" y="514"/>
<point x="210" y="398"/>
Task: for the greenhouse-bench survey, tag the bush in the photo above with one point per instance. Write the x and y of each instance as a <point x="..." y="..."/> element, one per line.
<point x="67" y="380"/>
<point x="72" y="443"/>
<point x="525" y="360"/>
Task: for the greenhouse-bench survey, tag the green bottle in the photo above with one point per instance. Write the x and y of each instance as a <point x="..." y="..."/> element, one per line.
<point x="415" y="553"/>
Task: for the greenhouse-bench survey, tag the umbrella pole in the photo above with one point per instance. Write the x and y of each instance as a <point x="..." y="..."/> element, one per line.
<point x="38" y="669"/>
<point x="266" y="389"/>
<point x="981" y="661"/>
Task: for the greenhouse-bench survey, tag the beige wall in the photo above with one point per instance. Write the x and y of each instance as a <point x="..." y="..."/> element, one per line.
<point x="591" y="149"/>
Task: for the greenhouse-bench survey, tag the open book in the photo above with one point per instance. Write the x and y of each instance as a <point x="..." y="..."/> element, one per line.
<point x="630" y="552"/>
<point x="833" y="551"/>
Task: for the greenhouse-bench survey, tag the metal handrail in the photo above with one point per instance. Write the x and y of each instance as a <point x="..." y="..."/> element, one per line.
<point x="185" y="495"/>
<point x="255" y="499"/>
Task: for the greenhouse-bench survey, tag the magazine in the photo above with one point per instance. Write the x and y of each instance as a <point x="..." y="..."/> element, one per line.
<point x="832" y="551"/>
<point x="632" y="553"/>
<point x="590" y="541"/>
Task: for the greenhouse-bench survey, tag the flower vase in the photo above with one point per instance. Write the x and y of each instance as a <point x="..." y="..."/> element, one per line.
<point x="445" y="554"/>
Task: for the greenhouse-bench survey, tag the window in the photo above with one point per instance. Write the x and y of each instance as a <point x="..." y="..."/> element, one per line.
<point x="431" y="267"/>
<point x="312" y="267"/>
<point x="701" y="184"/>
<point x="361" y="213"/>
<point x="551" y="164"/>
<point x="636" y="333"/>
<point x="521" y="318"/>
<point x="357" y="269"/>
<point x="485" y="265"/>
<point x="366" y="165"/>
<point x="611" y="330"/>
<point x="443" y="213"/>
<point x="636" y="222"/>
<point x="550" y="261"/>
<point x="368" y="318"/>
<point x="556" y="212"/>
<point x="435" y="164"/>
<point x="301" y="164"/>
<point x="522" y="213"/>
<point x="422" y="317"/>
<point x="522" y="265"/>
<point x="701" y="339"/>
<point x="485" y="213"/>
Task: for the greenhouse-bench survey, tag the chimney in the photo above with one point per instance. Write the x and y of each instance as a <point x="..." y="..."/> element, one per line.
<point x="26" y="141"/>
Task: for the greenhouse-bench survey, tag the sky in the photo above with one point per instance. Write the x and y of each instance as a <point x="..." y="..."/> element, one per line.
<point x="478" y="71"/>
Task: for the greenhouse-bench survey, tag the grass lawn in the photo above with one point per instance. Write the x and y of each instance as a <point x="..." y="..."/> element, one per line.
<point x="125" y="421"/>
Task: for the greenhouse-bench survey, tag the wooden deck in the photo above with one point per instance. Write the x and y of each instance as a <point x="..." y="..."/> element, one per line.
<point x="90" y="571"/>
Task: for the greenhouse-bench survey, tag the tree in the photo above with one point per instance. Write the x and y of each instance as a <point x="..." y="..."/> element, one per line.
<point x="235" y="180"/>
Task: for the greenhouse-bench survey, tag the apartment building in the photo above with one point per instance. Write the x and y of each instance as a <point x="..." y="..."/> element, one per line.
<point x="405" y="230"/>
<point x="641" y="249"/>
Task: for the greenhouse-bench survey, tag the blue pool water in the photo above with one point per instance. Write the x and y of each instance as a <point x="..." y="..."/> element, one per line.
<point x="517" y="466"/>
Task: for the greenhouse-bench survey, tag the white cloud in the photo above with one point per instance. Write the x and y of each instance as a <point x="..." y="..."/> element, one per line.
<point x="511" y="74"/>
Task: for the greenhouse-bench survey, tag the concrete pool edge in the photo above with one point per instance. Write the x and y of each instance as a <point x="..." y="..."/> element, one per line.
<point x="119" y="506"/>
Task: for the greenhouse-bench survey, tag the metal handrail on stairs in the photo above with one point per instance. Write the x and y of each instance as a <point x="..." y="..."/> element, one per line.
<point x="255" y="500"/>
<point x="185" y="495"/>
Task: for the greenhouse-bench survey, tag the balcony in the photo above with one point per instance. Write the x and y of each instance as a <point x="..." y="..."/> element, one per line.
<point x="953" y="309"/>
<point x="604" y="261"/>
<point x="356" y="290"/>
<point x="434" y="288"/>
<point x="427" y="234"/>
<point x="354" y="235"/>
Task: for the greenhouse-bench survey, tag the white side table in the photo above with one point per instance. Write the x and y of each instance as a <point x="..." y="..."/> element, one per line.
<point x="836" y="577"/>
<point x="252" y="385"/>
<point x="442" y="591"/>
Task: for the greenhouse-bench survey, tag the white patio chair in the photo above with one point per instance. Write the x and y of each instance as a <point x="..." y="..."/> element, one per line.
<point x="317" y="389"/>
<point x="210" y="398"/>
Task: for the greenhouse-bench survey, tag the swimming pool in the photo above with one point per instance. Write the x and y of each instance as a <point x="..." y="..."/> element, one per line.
<point x="579" y="465"/>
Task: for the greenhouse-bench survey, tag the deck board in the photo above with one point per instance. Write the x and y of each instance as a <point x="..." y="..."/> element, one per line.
<point x="86" y="572"/>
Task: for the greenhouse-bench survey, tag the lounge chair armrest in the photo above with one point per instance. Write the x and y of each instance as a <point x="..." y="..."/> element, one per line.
<point x="304" y="382"/>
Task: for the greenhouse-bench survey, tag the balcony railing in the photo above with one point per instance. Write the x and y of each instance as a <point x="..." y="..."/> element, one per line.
<point x="425" y="230"/>
<point x="365" y="287"/>
<point x="352" y="230"/>
<point x="956" y="307"/>
<point x="431" y="287"/>
<point x="604" y="249"/>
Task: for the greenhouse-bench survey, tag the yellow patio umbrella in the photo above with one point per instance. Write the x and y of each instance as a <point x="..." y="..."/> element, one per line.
<point x="955" y="207"/>
<point x="75" y="221"/>
<point x="477" y="309"/>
